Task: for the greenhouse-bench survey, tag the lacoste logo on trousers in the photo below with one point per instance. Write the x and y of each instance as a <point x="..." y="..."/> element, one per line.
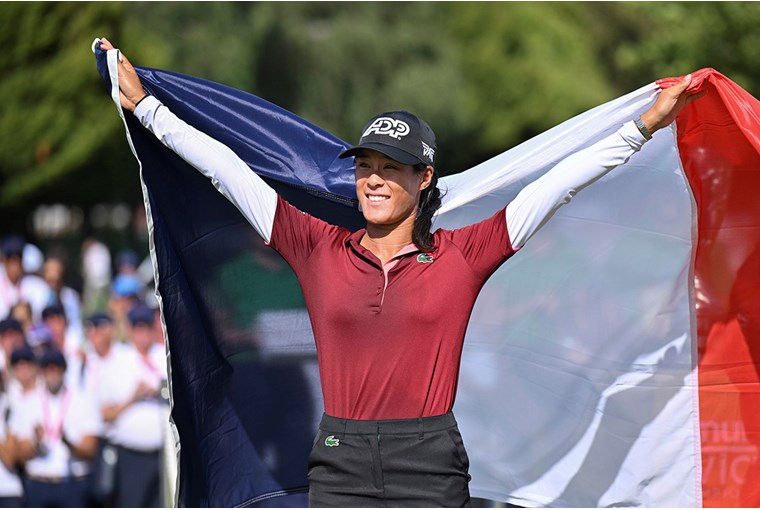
<point x="331" y="441"/>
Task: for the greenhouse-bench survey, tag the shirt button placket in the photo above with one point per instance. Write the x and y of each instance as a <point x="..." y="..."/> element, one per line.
<point x="380" y="289"/>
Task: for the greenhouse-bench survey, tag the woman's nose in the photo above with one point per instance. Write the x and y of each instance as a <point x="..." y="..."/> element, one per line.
<point x="375" y="180"/>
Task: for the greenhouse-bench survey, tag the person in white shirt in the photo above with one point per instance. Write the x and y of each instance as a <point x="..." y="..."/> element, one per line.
<point x="135" y="413"/>
<point x="56" y="321"/>
<point x="22" y="380"/>
<point x="11" y="338"/>
<point x="103" y="353"/>
<point x="56" y="434"/>
<point x="15" y="285"/>
<point x="11" y="490"/>
<point x="53" y="272"/>
<point x="96" y="273"/>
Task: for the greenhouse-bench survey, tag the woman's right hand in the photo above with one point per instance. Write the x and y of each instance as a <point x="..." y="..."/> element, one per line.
<point x="130" y="87"/>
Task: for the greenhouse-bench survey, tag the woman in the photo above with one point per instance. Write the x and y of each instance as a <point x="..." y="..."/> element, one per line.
<point x="389" y="304"/>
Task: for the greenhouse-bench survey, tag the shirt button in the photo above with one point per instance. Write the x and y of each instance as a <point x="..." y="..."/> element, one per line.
<point x="379" y="290"/>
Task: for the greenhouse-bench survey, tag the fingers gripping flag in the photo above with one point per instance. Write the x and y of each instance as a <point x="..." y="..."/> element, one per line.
<point x="612" y="361"/>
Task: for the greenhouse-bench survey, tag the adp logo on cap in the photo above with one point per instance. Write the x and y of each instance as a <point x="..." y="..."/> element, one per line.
<point x="387" y="126"/>
<point x="401" y="136"/>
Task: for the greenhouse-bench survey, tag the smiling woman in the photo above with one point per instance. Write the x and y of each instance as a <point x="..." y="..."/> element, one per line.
<point x="389" y="304"/>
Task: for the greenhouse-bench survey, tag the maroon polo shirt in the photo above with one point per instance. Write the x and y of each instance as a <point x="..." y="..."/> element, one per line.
<point x="389" y="339"/>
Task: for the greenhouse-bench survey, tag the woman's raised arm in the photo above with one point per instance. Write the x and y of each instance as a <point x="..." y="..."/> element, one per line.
<point x="538" y="201"/>
<point x="229" y="174"/>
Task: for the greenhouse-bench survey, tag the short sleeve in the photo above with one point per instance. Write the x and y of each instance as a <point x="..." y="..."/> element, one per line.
<point x="484" y="245"/>
<point x="295" y="233"/>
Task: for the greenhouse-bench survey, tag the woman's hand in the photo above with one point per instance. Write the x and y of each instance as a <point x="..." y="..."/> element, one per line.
<point x="669" y="104"/>
<point x="130" y="87"/>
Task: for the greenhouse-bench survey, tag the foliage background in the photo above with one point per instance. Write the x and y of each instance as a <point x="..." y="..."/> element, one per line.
<point x="486" y="76"/>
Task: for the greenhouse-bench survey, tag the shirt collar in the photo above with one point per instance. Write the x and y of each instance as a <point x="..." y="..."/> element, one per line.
<point x="353" y="241"/>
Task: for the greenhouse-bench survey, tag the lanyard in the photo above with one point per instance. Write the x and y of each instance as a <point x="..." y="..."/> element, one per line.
<point x="54" y="428"/>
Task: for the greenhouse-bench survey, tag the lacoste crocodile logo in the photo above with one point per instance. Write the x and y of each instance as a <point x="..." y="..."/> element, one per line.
<point x="331" y="441"/>
<point x="425" y="258"/>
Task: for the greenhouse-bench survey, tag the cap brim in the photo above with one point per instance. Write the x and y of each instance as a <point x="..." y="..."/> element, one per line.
<point x="392" y="152"/>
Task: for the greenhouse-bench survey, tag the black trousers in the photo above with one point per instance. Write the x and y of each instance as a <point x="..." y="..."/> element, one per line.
<point x="10" y="502"/>
<point x="66" y="494"/>
<point x="138" y="479"/>
<point x="389" y="463"/>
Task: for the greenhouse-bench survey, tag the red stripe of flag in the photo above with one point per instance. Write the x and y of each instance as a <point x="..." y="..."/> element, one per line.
<point x="719" y="143"/>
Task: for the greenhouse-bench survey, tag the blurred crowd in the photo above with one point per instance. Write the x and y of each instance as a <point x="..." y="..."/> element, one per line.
<point x="84" y="396"/>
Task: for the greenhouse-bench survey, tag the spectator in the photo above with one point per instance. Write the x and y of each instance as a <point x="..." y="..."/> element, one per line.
<point x="105" y="353"/>
<point x="135" y="414"/>
<point x="15" y="285"/>
<point x="54" y="317"/>
<point x="56" y="321"/>
<point x="23" y="376"/>
<point x="56" y="436"/>
<point x="11" y="337"/>
<point x="96" y="272"/>
<point x="11" y="490"/>
<point x="22" y="312"/>
<point x="125" y="294"/>
<point x="127" y="262"/>
<point x="104" y="356"/>
<point x="53" y="271"/>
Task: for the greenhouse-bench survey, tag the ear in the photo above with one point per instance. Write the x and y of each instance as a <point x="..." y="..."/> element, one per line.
<point x="427" y="177"/>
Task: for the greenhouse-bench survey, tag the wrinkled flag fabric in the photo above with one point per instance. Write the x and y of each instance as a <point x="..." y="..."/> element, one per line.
<point x="611" y="362"/>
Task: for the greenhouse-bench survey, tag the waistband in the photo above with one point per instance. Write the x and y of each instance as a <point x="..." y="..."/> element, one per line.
<point x="135" y="451"/>
<point x="56" y="479"/>
<point x="405" y="426"/>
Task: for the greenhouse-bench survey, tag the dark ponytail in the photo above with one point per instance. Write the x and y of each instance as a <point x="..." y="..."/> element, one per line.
<point x="430" y="201"/>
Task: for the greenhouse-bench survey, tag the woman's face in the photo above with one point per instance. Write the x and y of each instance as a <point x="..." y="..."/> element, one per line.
<point x="388" y="191"/>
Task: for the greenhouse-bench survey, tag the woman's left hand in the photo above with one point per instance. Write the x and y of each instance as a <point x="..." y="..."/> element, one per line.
<point x="669" y="104"/>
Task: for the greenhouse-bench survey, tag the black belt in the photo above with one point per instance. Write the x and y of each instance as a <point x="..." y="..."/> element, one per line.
<point x="139" y="452"/>
<point x="56" y="479"/>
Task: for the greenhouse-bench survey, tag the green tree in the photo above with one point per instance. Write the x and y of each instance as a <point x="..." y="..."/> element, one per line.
<point x="530" y="66"/>
<point x="675" y="38"/>
<point x="56" y="120"/>
<point x="210" y="40"/>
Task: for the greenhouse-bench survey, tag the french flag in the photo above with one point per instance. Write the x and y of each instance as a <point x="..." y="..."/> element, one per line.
<point x="613" y="361"/>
